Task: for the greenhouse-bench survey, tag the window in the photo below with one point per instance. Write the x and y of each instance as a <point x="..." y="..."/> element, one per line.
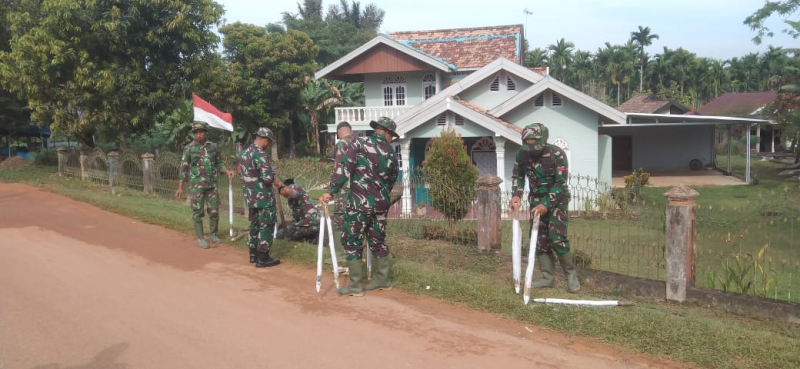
<point x="459" y="120"/>
<point x="428" y="86"/>
<point x="394" y="91"/>
<point x="555" y="101"/>
<point x="539" y="101"/>
<point x="442" y="120"/>
<point x="495" y="86"/>
<point x="510" y="85"/>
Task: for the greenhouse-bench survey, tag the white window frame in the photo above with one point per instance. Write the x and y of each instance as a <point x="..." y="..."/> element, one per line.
<point x="429" y="81"/>
<point x="396" y="84"/>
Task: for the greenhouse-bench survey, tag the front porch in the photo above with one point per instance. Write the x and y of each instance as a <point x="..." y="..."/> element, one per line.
<point x="360" y="116"/>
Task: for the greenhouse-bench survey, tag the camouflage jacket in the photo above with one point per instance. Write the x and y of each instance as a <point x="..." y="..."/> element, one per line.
<point x="370" y="167"/>
<point x="257" y="178"/>
<point x="339" y="153"/>
<point x="547" y="176"/>
<point x="200" y="164"/>
<point x="304" y="213"/>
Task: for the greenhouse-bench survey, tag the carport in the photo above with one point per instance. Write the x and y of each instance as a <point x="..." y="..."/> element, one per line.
<point x="664" y="143"/>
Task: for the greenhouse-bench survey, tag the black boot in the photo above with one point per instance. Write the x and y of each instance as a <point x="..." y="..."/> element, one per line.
<point x="252" y="255"/>
<point x="263" y="260"/>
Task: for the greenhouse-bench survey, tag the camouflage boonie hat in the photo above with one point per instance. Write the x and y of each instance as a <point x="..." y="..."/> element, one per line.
<point x="385" y="123"/>
<point x="535" y="131"/>
<point x="265" y="132"/>
<point x="199" y="126"/>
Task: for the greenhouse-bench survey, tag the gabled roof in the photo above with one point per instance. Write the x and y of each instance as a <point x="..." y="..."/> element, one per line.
<point x="473" y="113"/>
<point x="467" y="82"/>
<point x="587" y="101"/>
<point x="467" y="47"/>
<point x="647" y="103"/>
<point x="384" y="40"/>
<point x="738" y="104"/>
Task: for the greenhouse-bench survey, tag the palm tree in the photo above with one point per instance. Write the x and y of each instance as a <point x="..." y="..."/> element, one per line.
<point x="560" y="57"/>
<point x="310" y="10"/>
<point x="536" y="58"/>
<point x="642" y="38"/>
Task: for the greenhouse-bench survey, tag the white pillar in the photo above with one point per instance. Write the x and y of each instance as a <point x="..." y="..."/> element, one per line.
<point x="747" y="165"/>
<point x="758" y="133"/>
<point x="500" y="151"/>
<point x="773" y="139"/>
<point x="405" y="152"/>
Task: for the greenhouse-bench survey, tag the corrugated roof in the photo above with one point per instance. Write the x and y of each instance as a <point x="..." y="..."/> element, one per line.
<point x="737" y="104"/>
<point x="466" y="47"/>
<point x="646" y="103"/>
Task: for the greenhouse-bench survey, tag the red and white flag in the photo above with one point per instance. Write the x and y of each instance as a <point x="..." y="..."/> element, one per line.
<point x="205" y="112"/>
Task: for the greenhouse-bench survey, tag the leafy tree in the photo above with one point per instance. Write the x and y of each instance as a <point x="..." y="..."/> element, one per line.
<point x="770" y="8"/>
<point x="86" y="64"/>
<point x="13" y="113"/>
<point x="560" y="57"/>
<point x="450" y="175"/>
<point x="536" y="57"/>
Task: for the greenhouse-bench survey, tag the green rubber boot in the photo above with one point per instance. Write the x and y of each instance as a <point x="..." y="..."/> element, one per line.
<point x="381" y="280"/>
<point x="568" y="264"/>
<point x="214" y="228"/>
<point x="546" y="265"/>
<point x="356" y="268"/>
<point x="198" y="229"/>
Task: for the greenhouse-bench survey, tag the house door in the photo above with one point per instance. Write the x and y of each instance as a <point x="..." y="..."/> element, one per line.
<point x="484" y="156"/>
<point x="622" y="154"/>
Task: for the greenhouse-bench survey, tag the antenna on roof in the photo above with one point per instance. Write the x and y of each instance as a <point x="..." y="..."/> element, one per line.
<point x="527" y="13"/>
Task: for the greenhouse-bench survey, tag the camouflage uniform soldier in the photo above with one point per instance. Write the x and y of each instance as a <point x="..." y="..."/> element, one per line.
<point x="258" y="177"/>
<point x="199" y="165"/>
<point x="545" y="166"/>
<point x="345" y="134"/>
<point x="305" y="216"/>
<point x="370" y="169"/>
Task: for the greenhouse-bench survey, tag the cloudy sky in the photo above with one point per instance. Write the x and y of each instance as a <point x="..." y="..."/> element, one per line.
<point x="711" y="28"/>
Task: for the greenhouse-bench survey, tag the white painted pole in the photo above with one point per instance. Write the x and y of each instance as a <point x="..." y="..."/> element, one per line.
<point x="319" y="255"/>
<point x="584" y="302"/>
<point x="329" y="226"/>
<point x="516" y="250"/>
<point x="230" y="204"/>
<point x="747" y="166"/>
<point x="531" y="260"/>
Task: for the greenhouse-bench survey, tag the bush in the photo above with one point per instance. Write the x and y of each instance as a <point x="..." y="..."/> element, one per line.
<point x="633" y="184"/>
<point x="46" y="157"/>
<point x="450" y="175"/>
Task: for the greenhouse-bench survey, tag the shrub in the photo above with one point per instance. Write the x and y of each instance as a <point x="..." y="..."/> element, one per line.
<point x="46" y="157"/>
<point x="450" y="175"/>
<point x="633" y="184"/>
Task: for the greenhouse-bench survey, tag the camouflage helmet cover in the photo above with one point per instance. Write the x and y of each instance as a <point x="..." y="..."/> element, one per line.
<point x="265" y="132"/>
<point x="385" y="123"/>
<point x="199" y="126"/>
<point x="538" y="132"/>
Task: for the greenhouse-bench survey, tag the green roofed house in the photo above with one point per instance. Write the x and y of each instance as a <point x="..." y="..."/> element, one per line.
<point x="473" y="80"/>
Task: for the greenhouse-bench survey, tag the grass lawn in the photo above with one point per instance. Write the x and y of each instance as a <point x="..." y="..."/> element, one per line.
<point x="460" y="275"/>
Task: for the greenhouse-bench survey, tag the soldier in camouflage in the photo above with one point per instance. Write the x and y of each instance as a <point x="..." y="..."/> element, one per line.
<point x="345" y="134"/>
<point x="369" y="168"/>
<point x="258" y="177"/>
<point x="305" y="216"/>
<point x="545" y="167"/>
<point x="199" y="166"/>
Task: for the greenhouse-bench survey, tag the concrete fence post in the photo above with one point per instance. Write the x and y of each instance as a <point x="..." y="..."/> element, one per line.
<point x="62" y="160"/>
<point x="113" y="159"/>
<point x="488" y="214"/>
<point x="147" y="175"/>
<point x="681" y="216"/>
<point x="84" y="158"/>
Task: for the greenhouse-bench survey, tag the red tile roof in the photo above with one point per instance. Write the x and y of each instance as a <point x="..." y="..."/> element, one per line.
<point x="483" y="111"/>
<point x="737" y="104"/>
<point x="646" y="103"/>
<point x="466" y="47"/>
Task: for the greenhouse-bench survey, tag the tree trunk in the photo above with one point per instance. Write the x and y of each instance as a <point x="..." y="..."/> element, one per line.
<point x="641" y="77"/>
<point x="292" y="151"/>
<point x="123" y="143"/>
<point x="618" y="93"/>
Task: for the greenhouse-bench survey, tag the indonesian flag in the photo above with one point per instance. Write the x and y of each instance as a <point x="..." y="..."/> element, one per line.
<point x="205" y="112"/>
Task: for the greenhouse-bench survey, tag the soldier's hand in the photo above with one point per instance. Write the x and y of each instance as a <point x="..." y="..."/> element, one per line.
<point x="326" y="198"/>
<point x="230" y="174"/>
<point x="539" y="210"/>
<point x="514" y="203"/>
<point x="179" y="192"/>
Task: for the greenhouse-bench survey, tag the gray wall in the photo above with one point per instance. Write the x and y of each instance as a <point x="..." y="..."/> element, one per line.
<point x="665" y="149"/>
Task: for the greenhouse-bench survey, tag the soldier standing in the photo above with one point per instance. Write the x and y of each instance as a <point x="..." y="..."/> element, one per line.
<point x="305" y="216"/>
<point x="258" y="177"/>
<point x="345" y="134"/>
<point x="545" y="166"/>
<point x="199" y="165"/>
<point x="369" y="168"/>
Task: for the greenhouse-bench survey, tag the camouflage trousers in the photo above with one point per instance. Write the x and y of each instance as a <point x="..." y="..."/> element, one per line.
<point x="356" y="227"/>
<point x="552" y="230"/>
<point x="301" y="232"/>
<point x="202" y="197"/>
<point x="262" y="227"/>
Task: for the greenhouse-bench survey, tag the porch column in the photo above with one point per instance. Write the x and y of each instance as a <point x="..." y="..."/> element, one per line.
<point x="500" y="150"/>
<point x="773" y="139"/>
<point x="758" y="133"/>
<point x="747" y="165"/>
<point x="405" y="153"/>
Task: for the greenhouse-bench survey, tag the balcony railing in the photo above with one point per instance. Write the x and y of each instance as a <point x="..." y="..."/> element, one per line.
<point x="367" y="114"/>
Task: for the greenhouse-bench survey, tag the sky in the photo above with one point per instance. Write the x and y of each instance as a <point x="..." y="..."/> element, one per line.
<point x="708" y="28"/>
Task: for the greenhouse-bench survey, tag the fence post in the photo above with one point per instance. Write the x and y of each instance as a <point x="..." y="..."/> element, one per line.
<point x="488" y="213"/>
<point x="84" y="158"/>
<point x="147" y="167"/>
<point x="62" y="160"/>
<point x="113" y="159"/>
<point x="681" y="214"/>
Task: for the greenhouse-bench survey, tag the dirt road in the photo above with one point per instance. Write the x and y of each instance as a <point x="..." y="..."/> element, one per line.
<point x="84" y="288"/>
